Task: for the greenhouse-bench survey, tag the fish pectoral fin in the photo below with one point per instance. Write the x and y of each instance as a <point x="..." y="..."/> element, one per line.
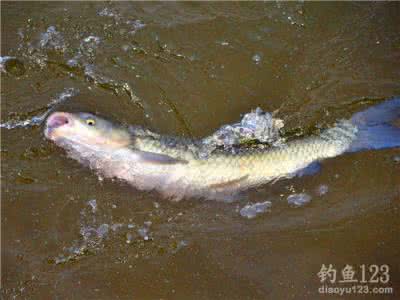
<point x="229" y="183"/>
<point x="160" y="159"/>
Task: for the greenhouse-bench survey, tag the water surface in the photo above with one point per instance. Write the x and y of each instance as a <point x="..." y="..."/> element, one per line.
<point x="186" y="69"/>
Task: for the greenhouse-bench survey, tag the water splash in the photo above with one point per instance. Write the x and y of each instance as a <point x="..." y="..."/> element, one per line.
<point x="93" y="204"/>
<point x="93" y="233"/>
<point x="322" y="189"/>
<point x="144" y="232"/>
<point x="109" y="84"/>
<point x="96" y="229"/>
<point x="77" y="57"/>
<point x="37" y="117"/>
<point x="256" y="58"/>
<point x="108" y="12"/>
<point x="258" y="125"/>
<point x="251" y="211"/>
<point x="298" y="200"/>
<point x="135" y="25"/>
<point x="53" y="39"/>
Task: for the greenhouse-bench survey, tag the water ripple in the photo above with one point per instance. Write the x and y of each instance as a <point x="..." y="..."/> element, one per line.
<point x="38" y="116"/>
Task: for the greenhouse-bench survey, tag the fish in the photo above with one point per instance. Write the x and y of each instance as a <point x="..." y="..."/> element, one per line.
<point x="173" y="167"/>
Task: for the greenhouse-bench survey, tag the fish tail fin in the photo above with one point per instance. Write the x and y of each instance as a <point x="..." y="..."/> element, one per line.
<point x="378" y="127"/>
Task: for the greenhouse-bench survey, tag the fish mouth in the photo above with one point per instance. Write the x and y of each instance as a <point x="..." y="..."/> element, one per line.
<point x="55" y="121"/>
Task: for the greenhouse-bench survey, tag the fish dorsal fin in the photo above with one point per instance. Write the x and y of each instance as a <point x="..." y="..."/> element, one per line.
<point x="159" y="159"/>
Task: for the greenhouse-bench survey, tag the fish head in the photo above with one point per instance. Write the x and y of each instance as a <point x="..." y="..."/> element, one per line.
<point x="85" y="129"/>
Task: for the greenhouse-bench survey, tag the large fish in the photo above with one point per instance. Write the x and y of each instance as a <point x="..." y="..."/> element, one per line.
<point x="173" y="166"/>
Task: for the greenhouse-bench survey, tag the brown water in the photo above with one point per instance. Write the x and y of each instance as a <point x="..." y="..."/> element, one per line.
<point x="186" y="69"/>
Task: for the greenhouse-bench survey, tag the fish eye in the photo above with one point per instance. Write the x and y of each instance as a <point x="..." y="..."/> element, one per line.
<point x="90" y="122"/>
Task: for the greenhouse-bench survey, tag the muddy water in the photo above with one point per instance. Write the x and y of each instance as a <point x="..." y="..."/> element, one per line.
<point x="186" y="69"/>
